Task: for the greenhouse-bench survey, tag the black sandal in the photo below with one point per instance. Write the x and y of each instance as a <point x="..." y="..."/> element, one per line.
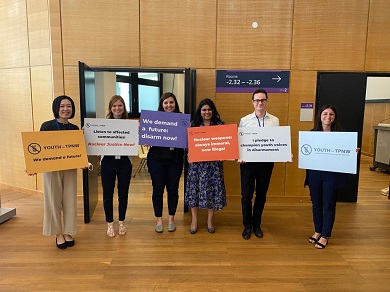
<point x="320" y="245"/>
<point x="314" y="240"/>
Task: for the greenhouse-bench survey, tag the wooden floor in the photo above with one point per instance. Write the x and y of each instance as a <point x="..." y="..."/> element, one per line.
<point x="356" y="259"/>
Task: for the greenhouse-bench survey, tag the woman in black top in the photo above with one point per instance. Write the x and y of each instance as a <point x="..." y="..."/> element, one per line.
<point x="113" y="167"/>
<point x="60" y="187"/>
<point x="165" y="166"/>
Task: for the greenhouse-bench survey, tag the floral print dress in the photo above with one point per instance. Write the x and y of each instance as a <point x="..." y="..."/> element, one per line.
<point x="205" y="186"/>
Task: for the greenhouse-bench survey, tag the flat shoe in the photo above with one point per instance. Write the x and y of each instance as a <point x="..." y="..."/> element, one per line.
<point x="61" y="245"/>
<point x="159" y="228"/>
<point x="171" y="227"/>
<point x="70" y="243"/>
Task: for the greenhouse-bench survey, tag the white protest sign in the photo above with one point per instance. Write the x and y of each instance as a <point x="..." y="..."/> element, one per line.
<point x="329" y="151"/>
<point x="266" y="144"/>
<point x="111" y="136"/>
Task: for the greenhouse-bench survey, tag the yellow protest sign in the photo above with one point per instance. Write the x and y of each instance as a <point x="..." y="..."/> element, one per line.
<point x="54" y="150"/>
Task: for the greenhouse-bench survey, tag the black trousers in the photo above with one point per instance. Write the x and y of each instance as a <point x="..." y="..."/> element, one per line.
<point x="165" y="173"/>
<point x="112" y="168"/>
<point x="254" y="174"/>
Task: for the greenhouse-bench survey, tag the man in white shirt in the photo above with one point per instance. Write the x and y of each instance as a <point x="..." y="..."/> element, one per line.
<point x="255" y="173"/>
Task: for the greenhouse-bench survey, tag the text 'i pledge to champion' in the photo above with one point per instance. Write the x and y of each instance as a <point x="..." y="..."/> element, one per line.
<point x="263" y="143"/>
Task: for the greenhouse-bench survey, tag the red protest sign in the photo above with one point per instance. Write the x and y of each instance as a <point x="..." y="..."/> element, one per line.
<point x="212" y="143"/>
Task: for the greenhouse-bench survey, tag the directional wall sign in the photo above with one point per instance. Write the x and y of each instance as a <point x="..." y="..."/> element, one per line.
<point x="249" y="81"/>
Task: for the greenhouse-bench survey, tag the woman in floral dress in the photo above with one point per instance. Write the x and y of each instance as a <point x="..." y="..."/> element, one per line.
<point x="205" y="187"/>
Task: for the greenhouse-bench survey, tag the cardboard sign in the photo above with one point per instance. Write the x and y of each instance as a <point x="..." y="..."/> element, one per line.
<point x="212" y="143"/>
<point x="111" y="136"/>
<point x="164" y="129"/>
<point x="54" y="150"/>
<point x="265" y="144"/>
<point x="329" y="151"/>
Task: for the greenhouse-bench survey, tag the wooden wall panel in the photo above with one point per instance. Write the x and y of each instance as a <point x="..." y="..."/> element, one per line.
<point x="42" y="97"/>
<point x="329" y="35"/>
<point x="302" y="89"/>
<point x="16" y="113"/>
<point x="100" y="32"/>
<point x="368" y="132"/>
<point x="13" y="34"/>
<point x="240" y="46"/>
<point x="39" y="32"/>
<point x="71" y="81"/>
<point x="378" y="44"/>
<point x="56" y="47"/>
<point x="178" y="33"/>
<point x="205" y="85"/>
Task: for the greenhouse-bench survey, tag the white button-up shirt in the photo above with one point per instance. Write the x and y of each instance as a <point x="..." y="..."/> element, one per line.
<point x="252" y="120"/>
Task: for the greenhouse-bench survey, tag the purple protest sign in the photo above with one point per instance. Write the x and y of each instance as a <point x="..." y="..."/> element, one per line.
<point x="164" y="129"/>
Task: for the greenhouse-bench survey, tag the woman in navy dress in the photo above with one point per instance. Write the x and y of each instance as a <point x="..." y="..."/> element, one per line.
<point x="205" y="187"/>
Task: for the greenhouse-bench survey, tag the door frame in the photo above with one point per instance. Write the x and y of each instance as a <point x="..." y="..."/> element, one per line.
<point x="90" y="201"/>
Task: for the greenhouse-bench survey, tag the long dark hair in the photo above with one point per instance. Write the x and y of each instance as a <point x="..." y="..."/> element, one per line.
<point x="164" y="97"/>
<point x="318" y="124"/>
<point x="198" y="120"/>
<point x="114" y="99"/>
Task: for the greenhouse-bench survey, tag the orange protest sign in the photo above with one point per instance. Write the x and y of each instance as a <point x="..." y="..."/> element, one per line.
<point x="212" y="143"/>
<point x="54" y="150"/>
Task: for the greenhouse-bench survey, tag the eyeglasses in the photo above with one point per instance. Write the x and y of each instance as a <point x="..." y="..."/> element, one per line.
<point x="260" y="100"/>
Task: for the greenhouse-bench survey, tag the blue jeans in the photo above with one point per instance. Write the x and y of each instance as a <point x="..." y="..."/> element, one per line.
<point x="112" y="168"/>
<point x="323" y="187"/>
<point x="165" y="174"/>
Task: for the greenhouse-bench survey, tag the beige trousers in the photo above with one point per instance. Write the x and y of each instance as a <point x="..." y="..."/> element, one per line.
<point x="60" y="196"/>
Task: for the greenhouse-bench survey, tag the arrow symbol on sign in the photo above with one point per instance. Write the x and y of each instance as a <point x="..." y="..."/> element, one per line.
<point x="277" y="78"/>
